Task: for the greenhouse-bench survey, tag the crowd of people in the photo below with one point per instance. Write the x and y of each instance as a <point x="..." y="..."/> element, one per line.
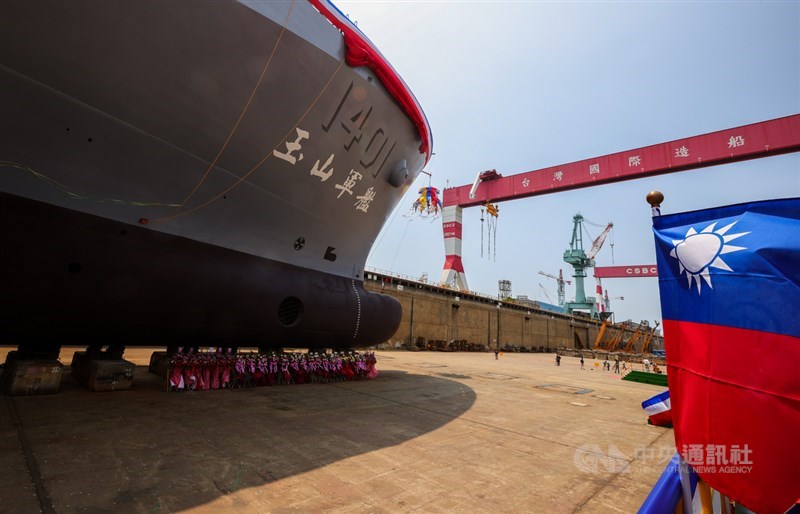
<point x="607" y="366"/>
<point x="200" y="371"/>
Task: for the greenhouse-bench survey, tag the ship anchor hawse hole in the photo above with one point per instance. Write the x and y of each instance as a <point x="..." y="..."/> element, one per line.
<point x="290" y="311"/>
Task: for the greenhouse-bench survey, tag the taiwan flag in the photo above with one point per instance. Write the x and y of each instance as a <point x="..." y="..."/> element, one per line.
<point x="658" y="410"/>
<point x="729" y="280"/>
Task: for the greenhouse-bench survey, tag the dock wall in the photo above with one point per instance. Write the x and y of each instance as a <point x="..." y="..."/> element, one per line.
<point x="434" y="313"/>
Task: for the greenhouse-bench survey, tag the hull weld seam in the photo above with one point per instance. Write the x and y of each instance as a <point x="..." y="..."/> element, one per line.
<point x="358" y="300"/>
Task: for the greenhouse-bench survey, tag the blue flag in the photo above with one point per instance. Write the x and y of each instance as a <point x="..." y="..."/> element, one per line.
<point x="737" y="266"/>
<point x="729" y="281"/>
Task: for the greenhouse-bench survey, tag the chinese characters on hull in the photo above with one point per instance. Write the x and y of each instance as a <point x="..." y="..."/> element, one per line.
<point x="292" y="147"/>
<point x="363" y="201"/>
<point x="348" y="184"/>
<point x="361" y="132"/>
<point x="352" y="113"/>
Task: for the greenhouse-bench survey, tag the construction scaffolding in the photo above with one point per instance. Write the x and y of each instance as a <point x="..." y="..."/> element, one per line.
<point x="626" y="337"/>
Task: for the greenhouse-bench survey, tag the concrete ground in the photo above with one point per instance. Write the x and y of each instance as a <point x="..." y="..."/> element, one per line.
<point x="435" y="432"/>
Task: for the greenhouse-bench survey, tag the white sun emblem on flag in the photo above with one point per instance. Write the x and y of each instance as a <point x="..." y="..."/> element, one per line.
<point x="698" y="252"/>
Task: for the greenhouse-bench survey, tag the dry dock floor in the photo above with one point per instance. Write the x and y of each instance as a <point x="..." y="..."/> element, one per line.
<point x="435" y="432"/>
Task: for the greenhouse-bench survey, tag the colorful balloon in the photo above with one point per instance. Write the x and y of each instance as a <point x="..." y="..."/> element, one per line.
<point x="428" y="202"/>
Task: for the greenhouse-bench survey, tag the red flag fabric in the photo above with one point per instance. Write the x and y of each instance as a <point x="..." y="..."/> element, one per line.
<point x="361" y="52"/>
<point x="729" y="279"/>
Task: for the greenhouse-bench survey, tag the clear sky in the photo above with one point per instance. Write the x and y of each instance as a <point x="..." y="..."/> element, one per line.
<point x="518" y="86"/>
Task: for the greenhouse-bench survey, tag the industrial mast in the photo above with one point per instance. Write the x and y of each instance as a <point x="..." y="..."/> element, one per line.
<point x="560" y="281"/>
<point x="576" y="257"/>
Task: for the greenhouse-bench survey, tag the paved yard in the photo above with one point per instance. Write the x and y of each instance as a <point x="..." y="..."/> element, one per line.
<point x="435" y="432"/>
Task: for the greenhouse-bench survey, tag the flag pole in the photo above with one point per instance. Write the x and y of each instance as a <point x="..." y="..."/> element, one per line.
<point x="686" y="484"/>
<point x="654" y="198"/>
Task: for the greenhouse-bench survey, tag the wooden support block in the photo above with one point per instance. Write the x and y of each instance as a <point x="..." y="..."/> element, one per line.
<point x="23" y="377"/>
<point x="159" y="362"/>
<point x="109" y="375"/>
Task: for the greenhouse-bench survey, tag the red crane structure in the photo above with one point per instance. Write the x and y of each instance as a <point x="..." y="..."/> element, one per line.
<point x="630" y="271"/>
<point x="754" y="141"/>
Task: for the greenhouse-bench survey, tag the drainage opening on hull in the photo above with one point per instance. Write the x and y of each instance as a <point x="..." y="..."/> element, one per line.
<point x="290" y="311"/>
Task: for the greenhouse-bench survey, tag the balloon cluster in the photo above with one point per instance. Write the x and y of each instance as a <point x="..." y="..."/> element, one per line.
<point x="428" y="201"/>
<point x="203" y="371"/>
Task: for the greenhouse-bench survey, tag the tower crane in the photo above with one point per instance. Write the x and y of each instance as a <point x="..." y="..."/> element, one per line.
<point x="546" y="293"/>
<point x="607" y="300"/>
<point x="580" y="260"/>
<point x="597" y="244"/>
<point x="560" y="281"/>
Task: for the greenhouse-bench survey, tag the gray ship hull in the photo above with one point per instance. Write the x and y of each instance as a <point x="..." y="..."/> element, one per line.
<point x="177" y="172"/>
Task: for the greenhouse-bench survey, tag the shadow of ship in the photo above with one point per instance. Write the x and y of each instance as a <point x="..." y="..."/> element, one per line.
<point x="149" y="451"/>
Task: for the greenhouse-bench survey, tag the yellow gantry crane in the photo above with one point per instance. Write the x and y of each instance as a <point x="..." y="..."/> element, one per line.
<point x="630" y="345"/>
<point x="598" y="341"/>
<point x="615" y="335"/>
<point x="649" y="338"/>
<point x="618" y="336"/>
<point x="612" y="331"/>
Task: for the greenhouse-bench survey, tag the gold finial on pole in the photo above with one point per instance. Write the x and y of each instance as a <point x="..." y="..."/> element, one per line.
<point x="654" y="198"/>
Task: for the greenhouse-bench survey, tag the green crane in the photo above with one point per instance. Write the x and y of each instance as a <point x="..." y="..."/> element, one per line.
<point x="580" y="260"/>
